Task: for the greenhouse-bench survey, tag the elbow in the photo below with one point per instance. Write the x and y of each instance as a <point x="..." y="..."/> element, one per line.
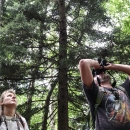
<point x="83" y="63"/>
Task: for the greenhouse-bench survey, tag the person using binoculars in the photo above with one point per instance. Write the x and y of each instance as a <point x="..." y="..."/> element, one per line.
<point x="113" y="112"/>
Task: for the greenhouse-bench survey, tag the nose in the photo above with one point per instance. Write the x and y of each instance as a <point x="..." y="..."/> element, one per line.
<point x="14" y="97"/>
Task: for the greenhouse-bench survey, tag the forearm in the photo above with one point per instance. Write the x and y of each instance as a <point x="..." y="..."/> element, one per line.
<point x="119" y="67"/>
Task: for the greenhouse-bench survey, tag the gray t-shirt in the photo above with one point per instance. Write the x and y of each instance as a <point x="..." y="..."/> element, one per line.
<point x="114" y="110"/>
<point x="12" y="125"/>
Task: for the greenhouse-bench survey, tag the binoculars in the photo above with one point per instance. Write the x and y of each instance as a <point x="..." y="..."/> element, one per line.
<point x="99" y="71"/>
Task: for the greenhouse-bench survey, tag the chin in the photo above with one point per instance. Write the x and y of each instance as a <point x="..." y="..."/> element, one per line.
<point x="11" y="105"/>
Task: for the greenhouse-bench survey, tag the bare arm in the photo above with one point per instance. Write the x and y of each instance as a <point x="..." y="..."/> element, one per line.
<point x="119" y="67"/>
<point x="85" y="66"/>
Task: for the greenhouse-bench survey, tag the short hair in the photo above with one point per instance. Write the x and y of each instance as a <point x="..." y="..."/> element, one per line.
<point x="2" y="97"/>
<point x="6" y="91"/>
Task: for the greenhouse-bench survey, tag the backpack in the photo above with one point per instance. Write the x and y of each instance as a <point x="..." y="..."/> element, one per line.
<point x="18" y="117"/>
<point x="100" y="95"/>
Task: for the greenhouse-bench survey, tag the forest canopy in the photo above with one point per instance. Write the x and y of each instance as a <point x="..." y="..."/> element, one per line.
<point x="41" y="44"/>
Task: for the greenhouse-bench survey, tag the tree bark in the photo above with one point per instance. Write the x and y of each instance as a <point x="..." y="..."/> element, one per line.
<point x="62" y="75"/>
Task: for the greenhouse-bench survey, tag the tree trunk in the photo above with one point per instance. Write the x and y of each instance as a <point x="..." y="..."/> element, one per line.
<point x="62" y="75"/>
<point x="46" y="107"/>
<point x="1" y="7"/>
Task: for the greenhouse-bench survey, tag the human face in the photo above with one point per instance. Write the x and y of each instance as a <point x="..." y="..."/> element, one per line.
<point x="9" y="100"/>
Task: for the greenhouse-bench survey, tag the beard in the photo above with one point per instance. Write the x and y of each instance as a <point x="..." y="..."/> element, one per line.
<point x="105" y="78"/>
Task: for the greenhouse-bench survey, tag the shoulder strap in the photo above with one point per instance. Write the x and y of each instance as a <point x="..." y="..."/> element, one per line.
<point x="123" y="89"/>
<point x="99" y="98"/>
<point x="1" y="120"/>
<point x="22" y="122"/>
<point x="20" y="119"/>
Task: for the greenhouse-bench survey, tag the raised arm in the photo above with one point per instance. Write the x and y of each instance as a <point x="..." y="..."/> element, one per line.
<point x="85" y="66"/>
<point x="119" y="67"/>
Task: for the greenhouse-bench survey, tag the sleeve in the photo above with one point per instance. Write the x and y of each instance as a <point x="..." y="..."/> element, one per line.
<point x="91" y="93"/>
<point x="126" y="85"/>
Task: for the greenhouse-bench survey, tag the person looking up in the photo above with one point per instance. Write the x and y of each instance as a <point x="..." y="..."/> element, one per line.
<point x="113" y="113"/>
<point x="9" y="118"/>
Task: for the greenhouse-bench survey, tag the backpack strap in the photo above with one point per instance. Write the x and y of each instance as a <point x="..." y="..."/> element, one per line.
<point x="123" y="89"/>
<point x="99" y="98"/>
<point x="22" y="122"/>
<point x="100" y="95"/>
<point x="19" y="118"/>
<point x="1" y="120"/>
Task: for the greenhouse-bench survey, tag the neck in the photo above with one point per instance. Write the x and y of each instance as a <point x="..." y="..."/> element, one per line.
<point x="9" y="111"/>
<point x="106" y="85"/>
